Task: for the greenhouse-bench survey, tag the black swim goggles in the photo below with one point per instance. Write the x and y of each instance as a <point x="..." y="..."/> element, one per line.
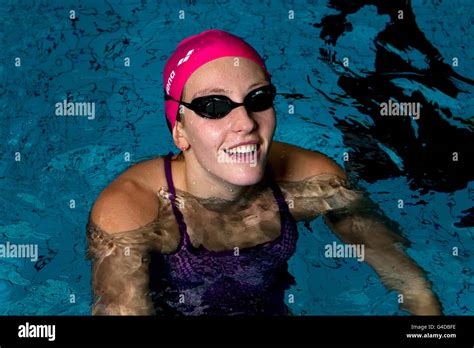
<point x="219" y="106"/>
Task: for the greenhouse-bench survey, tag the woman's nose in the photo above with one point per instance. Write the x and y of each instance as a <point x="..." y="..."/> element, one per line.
<point x="242" y="121"/>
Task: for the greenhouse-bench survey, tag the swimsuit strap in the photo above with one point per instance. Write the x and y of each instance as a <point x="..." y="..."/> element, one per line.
<point x="177" y="213"/>
<point x="276" y="190"/>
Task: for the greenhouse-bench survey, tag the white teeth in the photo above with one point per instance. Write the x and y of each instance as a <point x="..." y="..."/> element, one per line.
<point x="242" y="149"/>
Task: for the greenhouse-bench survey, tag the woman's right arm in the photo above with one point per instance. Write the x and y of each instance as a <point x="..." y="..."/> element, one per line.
<point x="119" y="243"/>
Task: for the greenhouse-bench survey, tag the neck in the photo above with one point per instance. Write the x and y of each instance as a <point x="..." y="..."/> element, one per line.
<point x="208" y="187"/>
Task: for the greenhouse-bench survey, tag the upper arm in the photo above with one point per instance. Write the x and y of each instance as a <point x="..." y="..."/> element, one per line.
<point x="119" y="258"/>
<point x="123" y="206"/>
<point x="313" y="181"/>
<point x="319" y="163"/>
<point x="355" y="219"/>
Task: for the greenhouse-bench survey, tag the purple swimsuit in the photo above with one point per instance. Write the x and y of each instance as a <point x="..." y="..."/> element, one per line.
<point x="197" y="281"/>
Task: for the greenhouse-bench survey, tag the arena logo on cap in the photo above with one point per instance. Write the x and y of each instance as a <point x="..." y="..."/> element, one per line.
<point x="183" y="60"/>
<point x="173" y="74"/>
<point x="170" y="80"/>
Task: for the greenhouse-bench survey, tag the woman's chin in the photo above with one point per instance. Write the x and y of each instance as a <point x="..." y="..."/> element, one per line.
<point x="244" y="175"/>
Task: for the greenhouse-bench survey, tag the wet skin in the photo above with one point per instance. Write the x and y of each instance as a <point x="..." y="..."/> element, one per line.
<point x="137" y="214"/>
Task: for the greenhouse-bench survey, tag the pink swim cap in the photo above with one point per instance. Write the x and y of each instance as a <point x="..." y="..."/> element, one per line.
<point x="196" y="51"/>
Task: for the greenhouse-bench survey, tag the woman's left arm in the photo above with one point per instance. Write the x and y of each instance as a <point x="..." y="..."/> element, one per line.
<point x="357" y="220"/>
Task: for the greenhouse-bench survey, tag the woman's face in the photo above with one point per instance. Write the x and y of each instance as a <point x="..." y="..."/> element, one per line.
<point x="214" y="142"/>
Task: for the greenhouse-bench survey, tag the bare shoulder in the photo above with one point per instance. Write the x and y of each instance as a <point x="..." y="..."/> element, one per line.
<point x="130" y="201"/>
<point x="293" y="163"/>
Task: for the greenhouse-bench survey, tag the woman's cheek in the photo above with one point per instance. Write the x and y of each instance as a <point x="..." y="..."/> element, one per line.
<point x="268" y="125"/>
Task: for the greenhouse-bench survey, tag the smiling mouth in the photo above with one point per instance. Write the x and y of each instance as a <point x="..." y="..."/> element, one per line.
<point x="242" y="150"/>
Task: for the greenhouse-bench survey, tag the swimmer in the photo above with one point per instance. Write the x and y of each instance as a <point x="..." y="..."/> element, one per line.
<point x="209" y="231"/>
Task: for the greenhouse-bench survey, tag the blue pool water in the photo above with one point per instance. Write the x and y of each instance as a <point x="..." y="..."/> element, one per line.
<point x="74" y="158"/>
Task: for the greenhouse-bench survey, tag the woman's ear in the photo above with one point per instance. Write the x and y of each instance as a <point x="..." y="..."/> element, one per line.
<point x="179" y="135"/>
